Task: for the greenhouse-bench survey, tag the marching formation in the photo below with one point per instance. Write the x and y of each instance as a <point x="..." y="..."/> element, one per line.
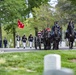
<point x="47" y="38"/>
<point x="24" y="40"/>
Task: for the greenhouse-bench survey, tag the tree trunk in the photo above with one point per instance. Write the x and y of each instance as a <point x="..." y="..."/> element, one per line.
<point x="0" y="36"/>
<point x="36" y="31"/>
<point x="14" y="33"/>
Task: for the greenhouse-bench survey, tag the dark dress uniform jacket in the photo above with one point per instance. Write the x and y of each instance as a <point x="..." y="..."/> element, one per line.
<point x="24" y="39"/>
<point x="30" y="38"/>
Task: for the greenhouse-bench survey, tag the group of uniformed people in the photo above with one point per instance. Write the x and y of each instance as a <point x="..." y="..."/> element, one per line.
<point x="24" y="40"/>
<point x="56" y="31"/>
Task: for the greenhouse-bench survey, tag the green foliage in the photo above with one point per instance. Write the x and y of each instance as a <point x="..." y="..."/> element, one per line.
<point x="42" y="17"/>
<point x="28" y="28"/>
<point x="11" y="12"/>
<point x="35" y="3"/>
<point x="73" y="2"/>
<point x="66" y="11"/>
<point x="32" y="63"/>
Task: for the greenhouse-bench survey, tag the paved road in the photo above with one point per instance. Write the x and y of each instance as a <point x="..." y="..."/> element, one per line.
<point x="6" y="50"/>
<point x="2" y="50"/>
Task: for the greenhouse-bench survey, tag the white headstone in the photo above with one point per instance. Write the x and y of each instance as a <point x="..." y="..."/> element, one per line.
<point x="52" y="62"/>
<point x="52" y="66"/>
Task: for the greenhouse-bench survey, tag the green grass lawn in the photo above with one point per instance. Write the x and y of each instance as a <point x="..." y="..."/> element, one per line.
<point x="31" y="63"/>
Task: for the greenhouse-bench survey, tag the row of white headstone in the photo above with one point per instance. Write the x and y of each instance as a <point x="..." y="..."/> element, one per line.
<point x="52" y="66"/>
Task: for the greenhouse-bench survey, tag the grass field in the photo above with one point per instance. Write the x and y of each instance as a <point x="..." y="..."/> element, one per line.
<point x="31" y="63"/>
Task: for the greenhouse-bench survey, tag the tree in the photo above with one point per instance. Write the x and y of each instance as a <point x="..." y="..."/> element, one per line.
<point x="73" y="2"/>
<point x="1" y="20"/>
<point x="42" y="17"/>
<point x="35" y="3"/>
<point x="66" y="11"/>
<point x="11" y="12"/>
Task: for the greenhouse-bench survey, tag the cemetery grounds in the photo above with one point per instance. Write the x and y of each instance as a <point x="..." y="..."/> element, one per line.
<point x="32" y="63"/>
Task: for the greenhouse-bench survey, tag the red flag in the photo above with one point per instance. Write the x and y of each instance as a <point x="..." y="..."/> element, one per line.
<point x="20" y="24"/>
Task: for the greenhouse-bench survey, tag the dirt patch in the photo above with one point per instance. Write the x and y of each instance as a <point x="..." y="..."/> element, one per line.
<point x="73" y="60"/>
